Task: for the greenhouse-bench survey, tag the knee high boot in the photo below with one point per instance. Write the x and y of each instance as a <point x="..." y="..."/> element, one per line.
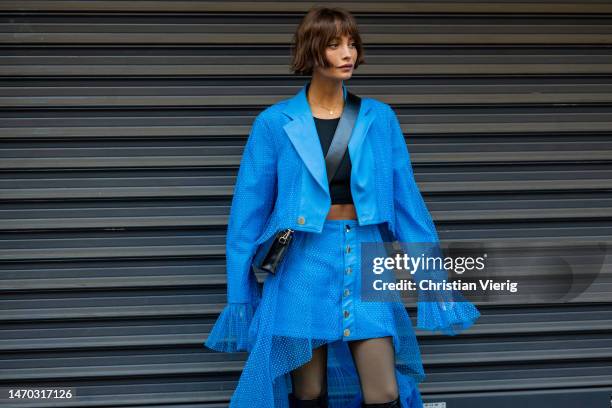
<point x="391" y="404"/>
<point x="320" y="402"/>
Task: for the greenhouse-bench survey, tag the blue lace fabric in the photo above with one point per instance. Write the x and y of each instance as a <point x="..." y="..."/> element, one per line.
<point x="233" y="330"/>
<point x="439" y="309"/>
<point x="445" y="312"/>
<point x="230" y="332"/>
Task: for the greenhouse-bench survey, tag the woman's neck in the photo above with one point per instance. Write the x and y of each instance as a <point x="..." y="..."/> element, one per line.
<point x="325" y="93"/>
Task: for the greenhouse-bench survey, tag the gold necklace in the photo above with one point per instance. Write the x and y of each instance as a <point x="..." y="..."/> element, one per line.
<point x="331" y="111"/>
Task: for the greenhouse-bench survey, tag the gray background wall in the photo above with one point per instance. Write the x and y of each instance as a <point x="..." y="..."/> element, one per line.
<point x="122" y="124"/>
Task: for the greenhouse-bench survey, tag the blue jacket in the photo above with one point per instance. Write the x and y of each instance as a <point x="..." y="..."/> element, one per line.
<point x="282" y="183"/>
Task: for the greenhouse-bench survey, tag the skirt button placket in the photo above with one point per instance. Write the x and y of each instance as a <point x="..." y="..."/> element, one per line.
<point x="348" y="318"/>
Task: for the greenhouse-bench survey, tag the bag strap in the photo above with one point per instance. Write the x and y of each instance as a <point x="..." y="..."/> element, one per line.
<point x="338" y="148"/>
<point x="339" y="143"/>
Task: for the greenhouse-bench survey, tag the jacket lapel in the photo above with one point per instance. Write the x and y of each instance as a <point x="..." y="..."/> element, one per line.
<point x="302" y="132"/>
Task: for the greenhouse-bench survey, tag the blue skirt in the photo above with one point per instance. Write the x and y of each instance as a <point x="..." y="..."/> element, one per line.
<point x="312" y="300"/>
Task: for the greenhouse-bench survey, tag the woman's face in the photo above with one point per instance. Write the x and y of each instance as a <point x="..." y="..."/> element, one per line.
<point x="339" y="52"/>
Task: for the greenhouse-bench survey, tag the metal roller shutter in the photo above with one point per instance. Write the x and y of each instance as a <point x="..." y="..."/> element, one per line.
<point x="122" y="124"/>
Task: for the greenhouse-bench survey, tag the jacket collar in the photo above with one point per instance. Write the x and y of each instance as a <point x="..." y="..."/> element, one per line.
<point x="302" y="132"/>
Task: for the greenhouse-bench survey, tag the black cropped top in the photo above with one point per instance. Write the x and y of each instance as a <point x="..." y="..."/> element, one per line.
<point x="340" y="185"/>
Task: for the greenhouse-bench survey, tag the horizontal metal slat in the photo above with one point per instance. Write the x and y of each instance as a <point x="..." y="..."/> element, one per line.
<point x="192" y="6"/>
<point x="64" y="100"/>
<point x="463" y="215"/>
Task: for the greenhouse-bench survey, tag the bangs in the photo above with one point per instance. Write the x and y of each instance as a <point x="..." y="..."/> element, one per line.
<point x="336" y="28"/>
<point x="320" y="26"/>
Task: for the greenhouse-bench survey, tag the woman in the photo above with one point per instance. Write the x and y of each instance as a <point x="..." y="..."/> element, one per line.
<point x="312" y="341"/>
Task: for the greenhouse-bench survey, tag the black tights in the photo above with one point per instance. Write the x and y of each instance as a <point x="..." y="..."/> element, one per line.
<point x="375" y="362"/>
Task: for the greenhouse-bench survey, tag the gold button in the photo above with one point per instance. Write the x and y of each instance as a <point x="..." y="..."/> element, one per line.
<point x="348" y="248"/>
<point x="347" y="332"/>
<point x="346" y="313"/>
<point x="348" y="270"/>
<point x="348" y="228"/>
<point x="301" y="220"/>
<point x="346" y="292"/>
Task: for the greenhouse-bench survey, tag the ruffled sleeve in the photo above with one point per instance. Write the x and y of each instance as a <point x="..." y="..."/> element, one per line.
<point x="231" y="330"/>
<point x="444" y="316"/>
<point x="439" y="310"/>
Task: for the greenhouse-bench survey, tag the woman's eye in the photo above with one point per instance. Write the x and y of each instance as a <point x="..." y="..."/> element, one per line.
<point x="335" y="44"/>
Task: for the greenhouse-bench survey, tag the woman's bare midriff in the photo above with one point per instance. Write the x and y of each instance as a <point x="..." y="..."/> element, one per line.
<point x="342" y="212"/>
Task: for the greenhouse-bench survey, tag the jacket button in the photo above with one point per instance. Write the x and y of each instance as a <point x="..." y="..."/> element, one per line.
<point x="347" y="332"/>
<point x="347" y="292"/>
<point x="346" y="313"/>
<point x="348" y="270"/>
<point x="301" y="220"/>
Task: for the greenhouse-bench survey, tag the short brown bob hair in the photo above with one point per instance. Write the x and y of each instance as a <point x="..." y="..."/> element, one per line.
<point x="318" y="27"/>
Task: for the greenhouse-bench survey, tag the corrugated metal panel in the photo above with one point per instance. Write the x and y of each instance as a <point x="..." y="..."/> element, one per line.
<point x="122" y="125"/>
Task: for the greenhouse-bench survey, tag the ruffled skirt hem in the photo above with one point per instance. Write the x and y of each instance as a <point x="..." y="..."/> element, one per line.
<point x="263" y="388"/>
<point x="265" y="381"/>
